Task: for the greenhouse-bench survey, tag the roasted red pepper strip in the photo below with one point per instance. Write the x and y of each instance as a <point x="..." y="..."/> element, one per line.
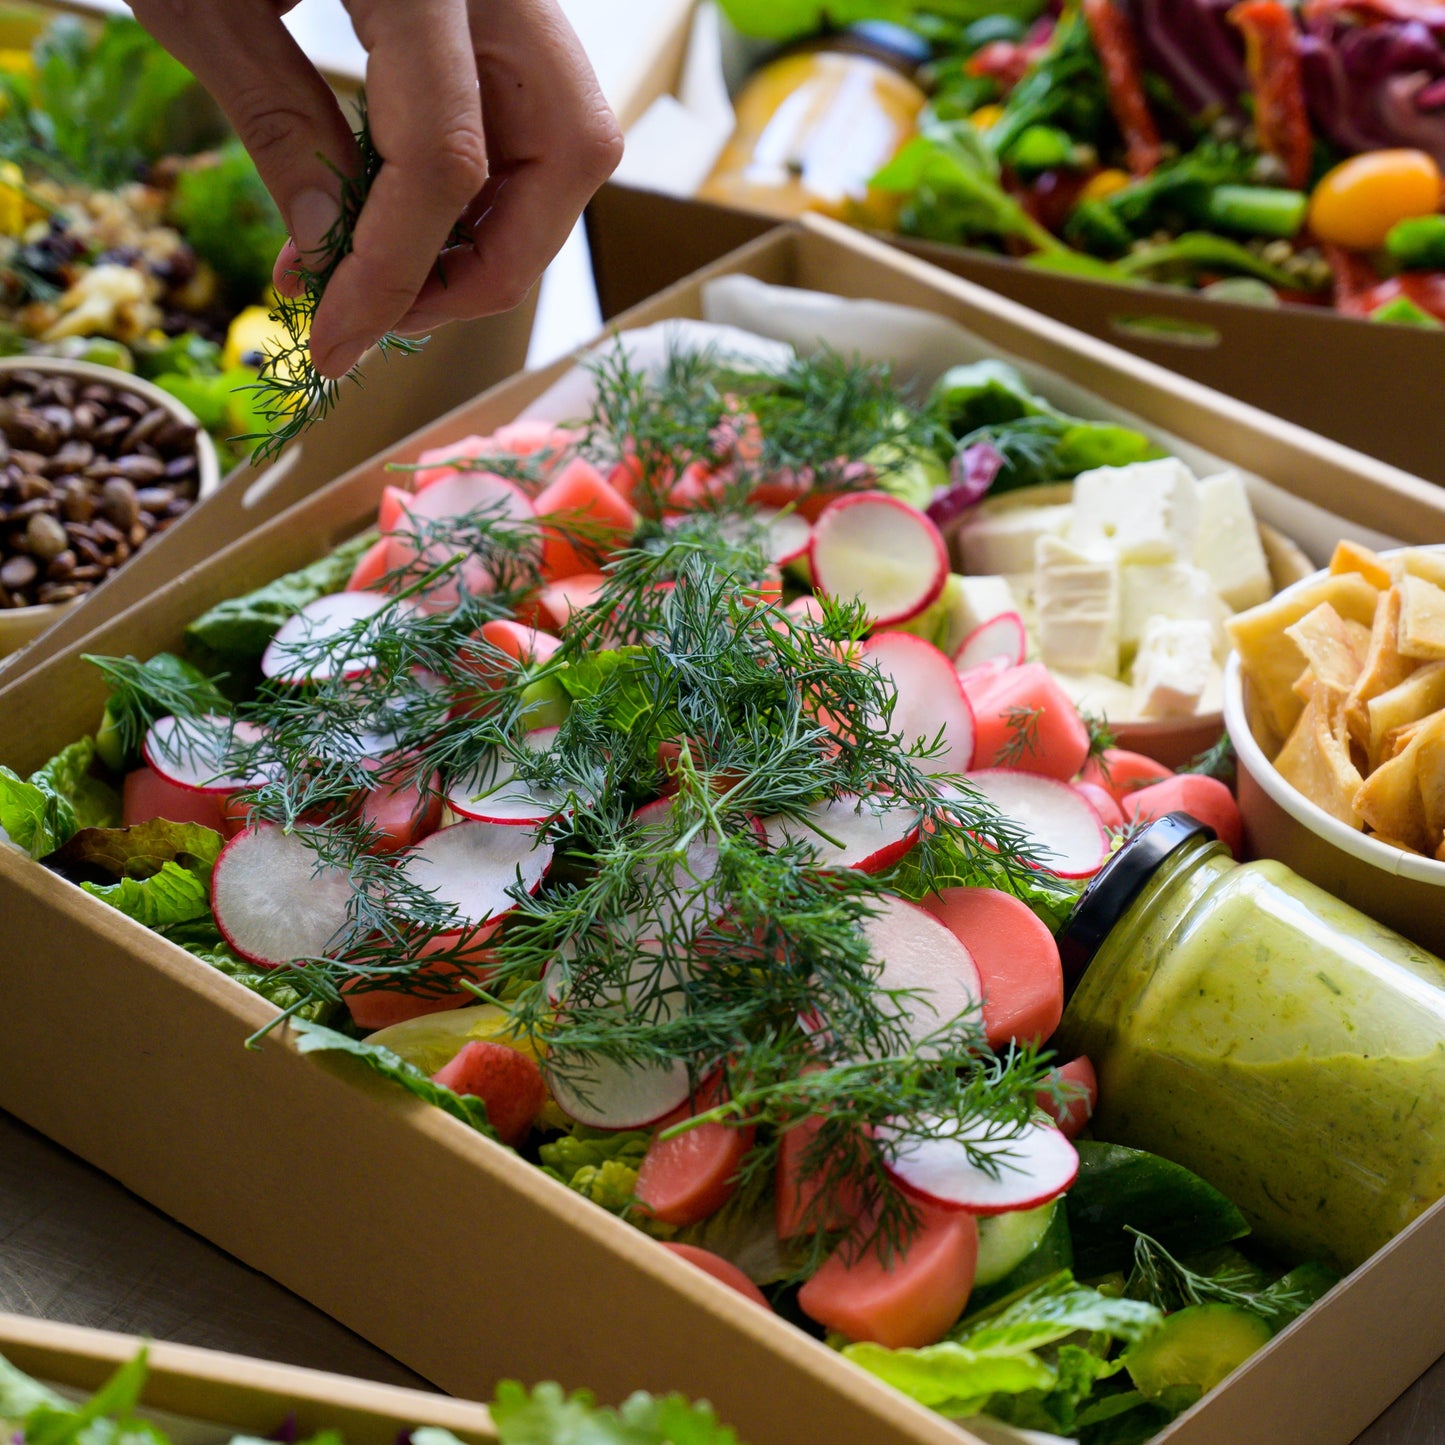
<point x="1113" y="38"/>
<point x="1355" y="281"/>
<point x="1271" y="54"/>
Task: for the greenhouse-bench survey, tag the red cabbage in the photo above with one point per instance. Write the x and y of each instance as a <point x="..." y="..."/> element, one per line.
<point x="1191" y="45"/>
<point x="972" y="472"/>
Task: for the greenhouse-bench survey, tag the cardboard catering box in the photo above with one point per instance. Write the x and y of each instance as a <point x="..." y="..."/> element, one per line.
<point x="455" y="1255"/>
<point x="1370" y="386"/>
<point x="217" y="1395"/>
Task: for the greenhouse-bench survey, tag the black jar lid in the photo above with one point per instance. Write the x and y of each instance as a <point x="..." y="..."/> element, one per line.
<point x="1118" y="883"/>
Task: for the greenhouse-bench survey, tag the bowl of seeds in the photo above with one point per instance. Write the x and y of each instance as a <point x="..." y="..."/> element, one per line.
<point x="94" y="465"/>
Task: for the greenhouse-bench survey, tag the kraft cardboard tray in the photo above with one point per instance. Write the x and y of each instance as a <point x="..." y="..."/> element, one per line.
<point x="235" y="1394"/>
<point x="395" y="397"/>
<point x="452" y="1253"/>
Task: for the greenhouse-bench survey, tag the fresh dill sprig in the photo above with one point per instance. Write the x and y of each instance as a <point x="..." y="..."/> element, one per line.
<point x="1101" y="739"/>
<point x="1166" y="1282"/>
<point x="141" y="693"/>
<point x="1023" y="736"/>
<point x="1218" y="761"/>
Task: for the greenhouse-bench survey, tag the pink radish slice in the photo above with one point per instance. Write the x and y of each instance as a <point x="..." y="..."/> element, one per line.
<point x="1002" y="636"/>
<point x="492" y="792"/>
<point x="471" y="867"/>
<point x="977" y="679"/>
<point x="272" y="903"/>
<point x="1061" y="823"/>
<point x="605" y="1094"/>
<point x="889" y="555"/>
<point x="1031" y="1167"/>
<point x="325" y="638"/>
<point x="786" y="535"/>
<point x="195" y="752"/>
<point x="851" y="832"/>
<point x="930" y="698"/>
<point x="919" y="953"/>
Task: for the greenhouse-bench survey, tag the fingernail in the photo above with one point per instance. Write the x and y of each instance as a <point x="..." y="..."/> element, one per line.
<point x="342" y="356"/>
<point x="314" y="214"/>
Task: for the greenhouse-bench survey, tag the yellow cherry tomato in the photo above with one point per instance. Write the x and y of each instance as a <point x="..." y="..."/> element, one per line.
<point x="1357" y="202"/>
<point x="986" y="116"/>
<point x="1103" y="184"/>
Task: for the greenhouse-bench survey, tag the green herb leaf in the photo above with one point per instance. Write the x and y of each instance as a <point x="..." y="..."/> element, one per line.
<point x="547" y="1415"/>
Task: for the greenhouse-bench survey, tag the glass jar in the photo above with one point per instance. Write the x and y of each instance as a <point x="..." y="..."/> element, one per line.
<point x="817" y="123"/>
<point x="1247" y="1025"/>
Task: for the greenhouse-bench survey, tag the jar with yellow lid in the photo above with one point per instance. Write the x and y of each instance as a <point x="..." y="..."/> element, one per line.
<point x="817" y="123"/>
<point x="1250" y="1026"/>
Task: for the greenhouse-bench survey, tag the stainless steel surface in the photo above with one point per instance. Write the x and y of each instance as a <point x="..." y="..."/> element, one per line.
<point x="75" y="1246"/>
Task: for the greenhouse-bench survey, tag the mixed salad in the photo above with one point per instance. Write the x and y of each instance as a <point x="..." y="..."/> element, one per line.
<point x="33" y="1413"/>
<point x="134" y="231"/>
<point x="561" y="801"/>
<point x="1262" y="151"/>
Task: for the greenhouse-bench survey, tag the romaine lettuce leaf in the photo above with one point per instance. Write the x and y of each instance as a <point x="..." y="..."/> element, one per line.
<point x="984" y="393"/>
<point x="95" y="804"/>
<point x="172" y="895"/>
<point x="143" y="849"/>
<point x="201" y="938"/>
<point x="41" y="813"/>
<point x="19" y="1394"/>
<point x="240" y="627"/>
<point x="547" y="1415"/>
<point x="600" y="1165"/>
<point x="313" y="1038"/>
<point x="951" y="1377"/>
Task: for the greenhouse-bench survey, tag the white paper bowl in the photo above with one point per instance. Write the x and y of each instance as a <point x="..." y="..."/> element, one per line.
<point x="19" y="625"/>
<point x="1397" y="888"/>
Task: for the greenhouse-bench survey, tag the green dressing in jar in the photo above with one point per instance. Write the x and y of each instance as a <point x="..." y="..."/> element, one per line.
<point x="1276" y="1041"/>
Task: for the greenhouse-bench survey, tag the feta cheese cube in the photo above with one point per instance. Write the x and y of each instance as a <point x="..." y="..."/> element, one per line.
<point x="1078" y="607"/>
<point x="1173" y="590"/>
<point x="1227" y="546"/>
<point x="1098" y="695"/>
<point x="992" y="544"/>
<point x="1173" y="667"/>
<point x="980" y="598"/>
<point x="1148" y="512"/>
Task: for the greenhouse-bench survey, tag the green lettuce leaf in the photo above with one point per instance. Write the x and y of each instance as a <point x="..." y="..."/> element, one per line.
<point x="313" y="1038"/>
<point x="172" y="895"/>
<point x="598" y="1165"/>
<point x="547" y="1415"/>
<point x="241" y="627"/>
<point x="143" y="849"/>
<point x="620" y="682"/>
<point x="41" y="813"/>
<point x="984" y="393"/>
<point x="19" y="1394"/>
<point x="951" y="1377"/>
<point x="94" y="803"/>
<point x="115" y="1400"/>
<point x="1052" y="1310"/>
<point x="201" y="938"/>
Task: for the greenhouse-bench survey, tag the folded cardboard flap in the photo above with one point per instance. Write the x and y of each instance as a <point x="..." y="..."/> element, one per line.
<point x="455" y="1255"/>
<point x="233" y="1392"/>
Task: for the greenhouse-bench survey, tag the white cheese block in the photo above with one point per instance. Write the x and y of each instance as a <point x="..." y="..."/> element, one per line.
<point x="1175" y="591"/>
<point x="978" y="599"/>
<point x="1077" y="593"/>
<point x="1096" y="694"/>
<point x="1173" y="667"/>
<point x="1227" y="546"/>
<point x="1147" y="512"/>
<point x="992" y="544"/>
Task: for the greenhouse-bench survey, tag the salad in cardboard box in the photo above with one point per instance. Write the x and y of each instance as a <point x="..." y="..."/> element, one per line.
<point x="643" y="794"/>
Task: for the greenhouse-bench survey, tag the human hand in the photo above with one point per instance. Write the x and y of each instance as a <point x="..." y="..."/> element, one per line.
<point x="516" y="181"/>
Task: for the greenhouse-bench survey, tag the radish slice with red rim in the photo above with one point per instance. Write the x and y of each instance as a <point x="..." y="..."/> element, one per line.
<point x="471" y="868"/>
<point x="202" y="753"/>
<point x="786" y="535"/>
<point x="869" y="833"/>
<point x="1062" y="825"/>
<point x="977" y="1165"/>
<point x="1002" y="636"/>
<point x="274" y="902"/>
<point x="493" y="793"/>
<point x="930" y="699"/>
<point x="331" y="637"/>
<point x="880" y="550"/>
<point x="605" y="1094"/>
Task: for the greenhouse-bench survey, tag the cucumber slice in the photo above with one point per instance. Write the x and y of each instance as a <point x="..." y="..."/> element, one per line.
<point x="1197" y="1346"/>
<point x="1119" y="1189"/>
<point x="1052" y="1250"/>
<point x="1006" y="1240"/>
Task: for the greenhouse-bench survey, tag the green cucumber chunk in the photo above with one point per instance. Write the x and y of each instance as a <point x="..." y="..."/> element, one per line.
<point x="1119" y="1189"/>
<point x="1034" y="1243"/>
<point x="1198" y="1346"/>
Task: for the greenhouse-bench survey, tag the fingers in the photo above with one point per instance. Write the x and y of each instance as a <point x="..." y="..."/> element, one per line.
<point x="282" y="110"/>
<point x="425" y="114"/>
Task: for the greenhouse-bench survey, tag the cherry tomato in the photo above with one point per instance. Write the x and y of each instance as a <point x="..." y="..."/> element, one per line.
<point x="1357" y="202"/>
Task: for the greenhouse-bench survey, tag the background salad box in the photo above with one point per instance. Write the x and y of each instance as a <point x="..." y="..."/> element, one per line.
<point x="396" y="397"/>
<point x="457" y="1256"/>
<point x="1368" y="385"/>
<point x="234" y="1393"/>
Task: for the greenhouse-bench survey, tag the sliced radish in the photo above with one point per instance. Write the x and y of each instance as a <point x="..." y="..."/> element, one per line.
<point x="327" y="638"/>
<point x="976" y="680"/>
<point x="1029" y="1167"/>
<point x="471" y="866"/>
<point x="930" y="699"/>
<point x="1002" y="636"/>
<point x="678" y="886"/>
<point x="195" y="752"/>
<point x="889" y="555"/>
<point x="869" y="833"/>
<point x="605" y="1094"/>
<point x="493" y="793"/>
<point x="786" y="535"/>
<point x="920" y="954"/>
<point x="1061" y="823"/>
<point x="273" y="901"/>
